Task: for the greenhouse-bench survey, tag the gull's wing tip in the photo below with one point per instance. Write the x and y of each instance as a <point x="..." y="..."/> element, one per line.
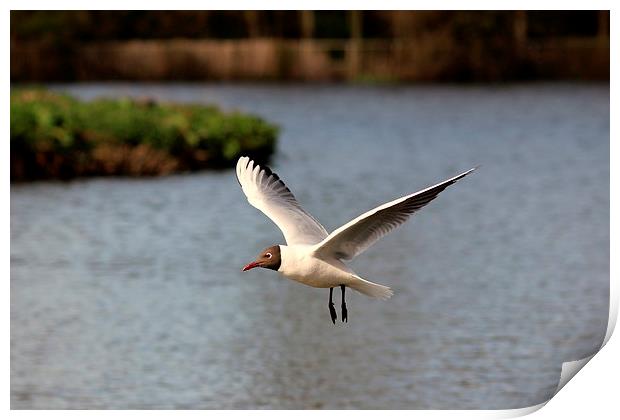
<point x="468" y="172"/>
<point x="242" y="162"/>
<point x="242" y="165"/>
<point x="464" y="174"/>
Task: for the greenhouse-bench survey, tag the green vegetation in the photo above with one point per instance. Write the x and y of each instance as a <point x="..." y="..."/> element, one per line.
<point x="56" y="136"/>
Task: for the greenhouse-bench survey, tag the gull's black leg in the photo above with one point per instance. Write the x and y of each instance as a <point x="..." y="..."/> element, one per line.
<point x="344" y="305"/>
<point x="332" y="309"/>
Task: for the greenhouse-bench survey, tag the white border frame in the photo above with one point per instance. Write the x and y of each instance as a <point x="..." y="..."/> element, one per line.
<point x="595" y="388"/>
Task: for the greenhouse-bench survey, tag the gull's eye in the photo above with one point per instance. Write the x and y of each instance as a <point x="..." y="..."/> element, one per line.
<point x="268" y="255"/>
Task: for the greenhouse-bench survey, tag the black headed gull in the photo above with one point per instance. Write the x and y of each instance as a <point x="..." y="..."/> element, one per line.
<point x="313" y="257"/>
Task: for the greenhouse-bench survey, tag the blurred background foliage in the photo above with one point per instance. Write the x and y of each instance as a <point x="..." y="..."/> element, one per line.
<point x="67" y="26"/>
<point x="309" y="45"/>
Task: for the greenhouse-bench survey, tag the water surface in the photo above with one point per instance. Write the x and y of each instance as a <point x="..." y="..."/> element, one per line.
<point x="127" y="293"/>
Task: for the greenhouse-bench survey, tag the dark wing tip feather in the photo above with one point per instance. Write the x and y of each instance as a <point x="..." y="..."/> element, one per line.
<point x="418" y="201"/>
<point x="276" y="178"/>
<point x="463" y="175"/>
<point x="269" y="173"/>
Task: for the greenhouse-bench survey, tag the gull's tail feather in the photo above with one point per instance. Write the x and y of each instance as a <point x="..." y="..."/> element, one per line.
<point x="371" y="289"/>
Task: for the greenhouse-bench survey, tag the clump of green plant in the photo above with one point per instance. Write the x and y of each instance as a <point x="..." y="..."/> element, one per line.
<point x="56" y="136"/>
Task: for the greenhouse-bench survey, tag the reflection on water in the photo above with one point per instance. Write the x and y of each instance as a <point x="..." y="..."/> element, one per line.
<point x="128" y="293"/>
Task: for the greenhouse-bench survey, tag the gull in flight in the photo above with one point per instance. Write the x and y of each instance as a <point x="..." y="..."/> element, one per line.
<point x="312" y="256"/>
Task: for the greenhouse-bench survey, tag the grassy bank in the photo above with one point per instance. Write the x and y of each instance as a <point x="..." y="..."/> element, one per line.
<point x="56" y="136"/>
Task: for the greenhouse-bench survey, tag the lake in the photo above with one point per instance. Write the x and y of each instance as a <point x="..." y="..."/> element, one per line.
<point x="128" y="293"/>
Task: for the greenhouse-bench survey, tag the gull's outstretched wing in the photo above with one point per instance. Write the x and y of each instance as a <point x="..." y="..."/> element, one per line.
<point x="360" y="233"/>
<point x="266" y="191"/>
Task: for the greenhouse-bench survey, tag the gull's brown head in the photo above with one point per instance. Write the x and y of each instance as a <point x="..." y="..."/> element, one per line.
<point x="269" y="258"/>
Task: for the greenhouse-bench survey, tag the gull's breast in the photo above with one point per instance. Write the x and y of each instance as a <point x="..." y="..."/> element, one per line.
<point x="300" y="265"/>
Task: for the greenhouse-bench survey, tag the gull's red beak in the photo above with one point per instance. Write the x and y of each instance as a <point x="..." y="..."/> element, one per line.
<point x="251" y="266"/>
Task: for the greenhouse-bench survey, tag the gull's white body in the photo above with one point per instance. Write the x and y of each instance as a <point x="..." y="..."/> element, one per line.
<point x="300" y="264"/>
<point x="312" y="256"/>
